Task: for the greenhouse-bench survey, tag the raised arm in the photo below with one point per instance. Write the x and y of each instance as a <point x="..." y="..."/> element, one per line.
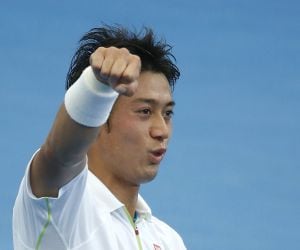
<point x="63" y="154"/>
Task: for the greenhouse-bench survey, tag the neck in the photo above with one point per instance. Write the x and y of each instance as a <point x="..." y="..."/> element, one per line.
<point x="125" y="192"/>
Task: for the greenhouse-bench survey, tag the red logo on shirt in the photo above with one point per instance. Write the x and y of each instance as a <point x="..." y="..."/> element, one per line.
<point x="156" y="247"/>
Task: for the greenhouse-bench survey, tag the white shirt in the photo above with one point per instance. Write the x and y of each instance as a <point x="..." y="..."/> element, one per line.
<point x="86" y="216"/>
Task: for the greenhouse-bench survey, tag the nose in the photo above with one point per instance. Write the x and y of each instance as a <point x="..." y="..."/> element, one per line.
<point x="160" y="129"/>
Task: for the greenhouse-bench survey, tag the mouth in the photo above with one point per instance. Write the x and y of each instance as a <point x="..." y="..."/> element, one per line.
<point x="157" y="155"/>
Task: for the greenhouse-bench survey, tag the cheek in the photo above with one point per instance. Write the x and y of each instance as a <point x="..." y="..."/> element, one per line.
<point x="129" y="133"/>
<point x="133" y="135"/>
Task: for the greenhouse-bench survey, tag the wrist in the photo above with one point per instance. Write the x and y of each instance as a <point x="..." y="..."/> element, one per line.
<point x="88" y="101"/>
<point x="92" y="82"/>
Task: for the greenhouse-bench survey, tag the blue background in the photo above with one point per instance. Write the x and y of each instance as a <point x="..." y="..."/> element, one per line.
<point x="231" y="179"/>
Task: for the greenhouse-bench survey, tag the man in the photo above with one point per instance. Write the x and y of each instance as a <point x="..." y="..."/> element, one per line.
<point x="81" y="189"/>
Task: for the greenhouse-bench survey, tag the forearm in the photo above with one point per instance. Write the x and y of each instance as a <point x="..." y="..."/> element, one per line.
<point x="75" y="128"/>
<point x="86" y="107"/>
<point x="68" y="141"/>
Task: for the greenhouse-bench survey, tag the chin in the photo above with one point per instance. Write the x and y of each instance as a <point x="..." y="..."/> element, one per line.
<point x="150" y="174"/>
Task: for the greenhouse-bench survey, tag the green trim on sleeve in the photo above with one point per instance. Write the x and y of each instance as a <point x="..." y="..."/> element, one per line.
<point x="38" y="244"/>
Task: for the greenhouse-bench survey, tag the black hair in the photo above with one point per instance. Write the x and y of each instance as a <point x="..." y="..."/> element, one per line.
<point x="155" y="55"/>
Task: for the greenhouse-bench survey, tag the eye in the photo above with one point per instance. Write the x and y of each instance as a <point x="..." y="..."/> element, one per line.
<point x="169" y="114"/>
<point x="145" y="111"/>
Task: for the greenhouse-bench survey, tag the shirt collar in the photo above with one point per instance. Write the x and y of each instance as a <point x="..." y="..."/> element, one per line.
<point x="143" y="209"/>
<point x="111" y="203"/>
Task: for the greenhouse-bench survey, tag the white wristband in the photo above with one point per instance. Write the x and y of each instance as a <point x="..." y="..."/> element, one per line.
<point x="89" y="101"/>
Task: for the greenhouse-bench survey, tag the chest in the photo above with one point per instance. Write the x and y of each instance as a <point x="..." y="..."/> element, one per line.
<point x="114" y="231"/>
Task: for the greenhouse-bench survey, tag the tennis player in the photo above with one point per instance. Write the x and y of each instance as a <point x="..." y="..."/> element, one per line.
<point x="81" y="188"/>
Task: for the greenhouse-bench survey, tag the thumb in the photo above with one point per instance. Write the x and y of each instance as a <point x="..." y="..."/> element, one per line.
<point x="127" y="89"/>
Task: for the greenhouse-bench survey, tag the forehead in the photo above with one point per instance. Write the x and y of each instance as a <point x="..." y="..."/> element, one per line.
<point x="153" y="89"/>
<point x="153" y="86"/>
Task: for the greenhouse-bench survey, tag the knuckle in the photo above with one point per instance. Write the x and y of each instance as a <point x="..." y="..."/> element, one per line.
<point x="100" y="50"/>
<point x="136" y="60"/>
<point x="92" y="56"/>
<point x="96" y="56"/>
<point x="125" y="51"/>
<point x="94" y="62"/>
<point x="91" y="59"/>
<point x="112" y="49"/>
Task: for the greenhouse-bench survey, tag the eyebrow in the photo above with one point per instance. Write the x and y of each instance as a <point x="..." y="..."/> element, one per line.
<point x="152" y="101"/>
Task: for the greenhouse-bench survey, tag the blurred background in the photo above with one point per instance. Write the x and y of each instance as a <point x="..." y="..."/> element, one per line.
<point x="231" y="179"/>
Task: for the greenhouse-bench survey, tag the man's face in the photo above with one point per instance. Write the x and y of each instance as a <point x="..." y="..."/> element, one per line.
<point x="135" y="141"/>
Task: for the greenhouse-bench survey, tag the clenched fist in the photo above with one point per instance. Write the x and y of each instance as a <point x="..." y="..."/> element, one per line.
<point x="117" y="68"/>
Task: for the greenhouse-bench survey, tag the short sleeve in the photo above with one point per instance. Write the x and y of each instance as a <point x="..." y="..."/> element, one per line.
<point x="33" y="217"/>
